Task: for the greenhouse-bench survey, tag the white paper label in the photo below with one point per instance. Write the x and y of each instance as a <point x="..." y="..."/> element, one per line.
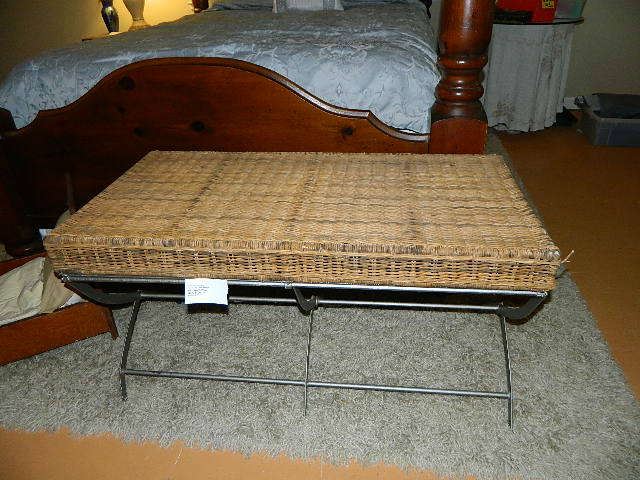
<point x="206" y="290"/>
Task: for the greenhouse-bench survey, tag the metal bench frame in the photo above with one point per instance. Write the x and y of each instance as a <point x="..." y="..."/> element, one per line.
<point x="528" y="302"/>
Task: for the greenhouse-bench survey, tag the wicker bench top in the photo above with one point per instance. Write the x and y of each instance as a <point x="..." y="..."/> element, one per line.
<point x="369" y="219"/>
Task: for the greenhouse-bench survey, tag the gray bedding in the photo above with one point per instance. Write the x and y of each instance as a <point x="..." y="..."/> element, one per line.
<point x="377" y="56"/>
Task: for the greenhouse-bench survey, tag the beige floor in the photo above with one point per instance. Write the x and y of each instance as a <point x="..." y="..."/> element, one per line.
<point x="590" y="200"/>
<point x="589" y="197"/>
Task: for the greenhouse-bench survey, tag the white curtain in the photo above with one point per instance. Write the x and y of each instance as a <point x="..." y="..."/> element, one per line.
<point x="526" y="75"/>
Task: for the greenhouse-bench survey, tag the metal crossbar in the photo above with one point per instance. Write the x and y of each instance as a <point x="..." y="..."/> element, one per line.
<point x="308" y="305"/>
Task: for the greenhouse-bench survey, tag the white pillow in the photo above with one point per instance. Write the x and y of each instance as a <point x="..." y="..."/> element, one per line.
<point x="306" y="5"/>
<point x="241" y="5"/>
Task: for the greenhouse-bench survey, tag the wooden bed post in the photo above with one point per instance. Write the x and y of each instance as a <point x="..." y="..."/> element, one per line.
<point x="199" y="5"/>
<point x="16" y="232"/>
<point x="458" y="121"/>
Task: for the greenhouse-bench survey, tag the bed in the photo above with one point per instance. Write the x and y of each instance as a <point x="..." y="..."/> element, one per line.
<point x="62" y="154"/>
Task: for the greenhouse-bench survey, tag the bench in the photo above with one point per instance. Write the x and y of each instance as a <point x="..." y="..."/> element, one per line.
<point x="313" y="229"/>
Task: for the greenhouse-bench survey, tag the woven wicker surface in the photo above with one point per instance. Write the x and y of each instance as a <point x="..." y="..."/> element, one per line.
<point x="372" y="219"/>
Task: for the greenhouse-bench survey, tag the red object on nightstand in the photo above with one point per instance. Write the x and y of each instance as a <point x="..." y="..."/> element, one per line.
<point x="542" y="10"/>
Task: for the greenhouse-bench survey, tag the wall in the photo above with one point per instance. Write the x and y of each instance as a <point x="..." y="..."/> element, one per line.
<point x="27" y="28"/>
<point x="606" y="49"/>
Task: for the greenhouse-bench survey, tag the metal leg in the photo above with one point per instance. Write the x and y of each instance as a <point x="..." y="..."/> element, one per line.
<point x="307" y="305"/>
<point x="512" y="314"/>
<point x="306" y="368"/>
<point x="98" y="296"/>
<point x="307" y="383"/>
<point x="516" y="315"/>
<point x="507" y="364"/>
<point x="127" y="345"/>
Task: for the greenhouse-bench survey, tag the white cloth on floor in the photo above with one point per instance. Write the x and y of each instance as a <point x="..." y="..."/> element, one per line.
<point x="31" y="289"/>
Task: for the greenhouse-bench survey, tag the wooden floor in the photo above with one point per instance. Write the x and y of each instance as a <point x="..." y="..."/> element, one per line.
<point x="590" y="200"/>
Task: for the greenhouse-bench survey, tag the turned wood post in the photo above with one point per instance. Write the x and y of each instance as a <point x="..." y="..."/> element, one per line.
<point x="16" y="232"/>
<point x="200" y="5"/>
<point x="458" y="121"/>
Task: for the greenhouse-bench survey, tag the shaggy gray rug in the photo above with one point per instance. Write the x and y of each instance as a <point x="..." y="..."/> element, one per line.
<point x="574" y="415"/>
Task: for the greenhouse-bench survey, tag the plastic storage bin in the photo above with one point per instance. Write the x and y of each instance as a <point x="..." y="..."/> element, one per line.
<point x="603" y="119"/>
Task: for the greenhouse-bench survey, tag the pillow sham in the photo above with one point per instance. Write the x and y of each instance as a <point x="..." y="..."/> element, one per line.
<point x="241" y="5"/>
<point x="364" y="3"/>
<point x="306" y="5"/>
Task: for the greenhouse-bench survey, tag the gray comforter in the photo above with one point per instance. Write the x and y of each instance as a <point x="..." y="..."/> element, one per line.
<point x="373" y="56"/>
